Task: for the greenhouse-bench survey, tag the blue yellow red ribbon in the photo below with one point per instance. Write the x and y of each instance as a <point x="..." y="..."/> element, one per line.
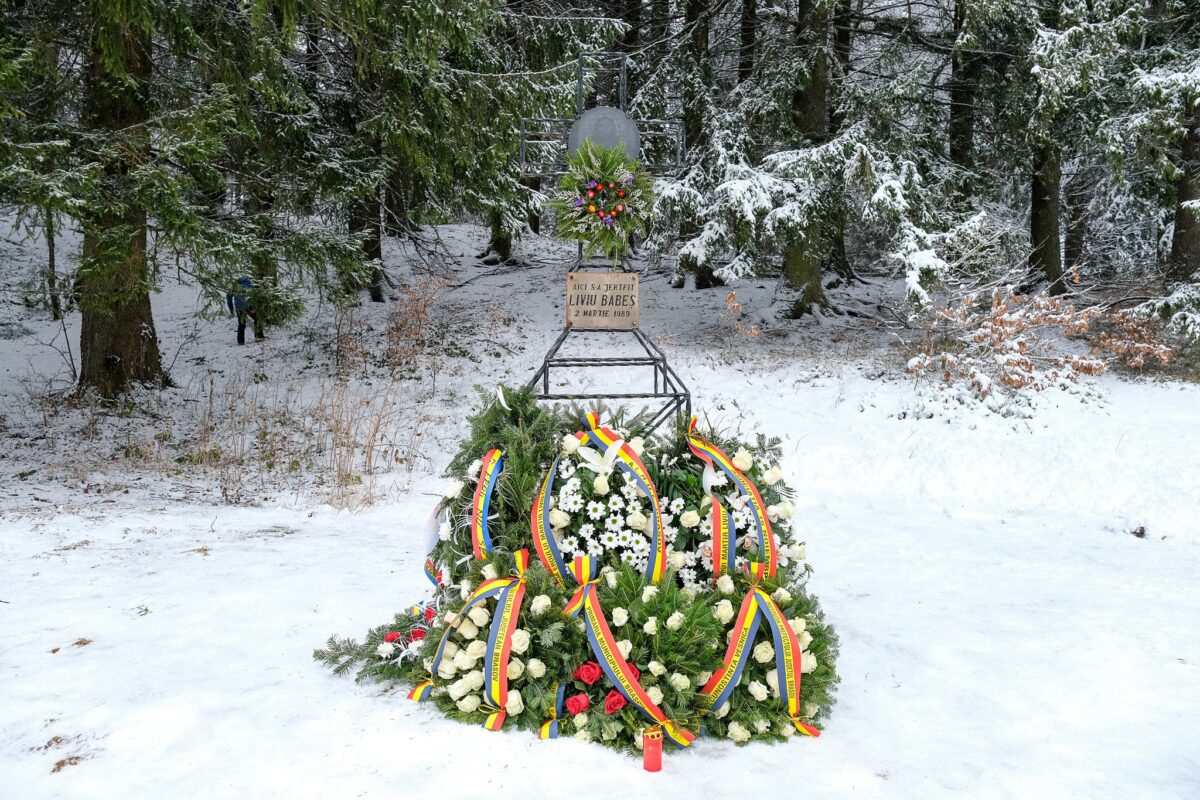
<point x="543" y="535"/>
<point x="433" y="573"/>
<point x="420" y="691"/>
<point x="631" y="464"/>
<point x="614" y="664"/>
<point x="712" y="455"/>
<point x="481" y="539"/>
<point x="499" y="644"/>
<point x="723" y="552"/>
<point x="549" y="729"/>
<point x="758" y="607"/>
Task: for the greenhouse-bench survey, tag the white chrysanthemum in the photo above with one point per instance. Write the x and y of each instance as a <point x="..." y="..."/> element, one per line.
<point x="651" y="626"/>
<point x="626" y="647"/>
<point x="572" y="503"/>
<point x="675" y="621"/>
<point x="469" y="704"/>
<point x="570" y="444"/>
<point x="758" y="691"/>
<point x="539" y="604"/>
<point x="676" y="505"/>
<point x="385" y="650"/>
<point x="580" y="719"/>
<point x="742" y="460"/>
<point x="520" y="640"/>
<point x="536" y="668"/>
<point x="656" y="668"/>
<point x="559" y="518"/>
<point x="596" y="510"/>
<point x="724" y="612"/>
<point x="738" y="732"/>
<point x="725" y="584"/>
<point x="616" y="503"/>
<point x="614" y="524"/>
<point x="689" y="519"/>
<point x="781" y="596"/>
<point x="620" y="616"/>
<point x="453" y="488"/>
<point x="763" y="652"/>
<point x="655" y="694"/>
<point x="600" y="484"/>
<point x="610" y="539"/>
<point x="679" y="682"/>
<point x="515" y="704"/>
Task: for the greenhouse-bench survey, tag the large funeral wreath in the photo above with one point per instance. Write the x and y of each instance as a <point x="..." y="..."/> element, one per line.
<point x="593" y="585"/>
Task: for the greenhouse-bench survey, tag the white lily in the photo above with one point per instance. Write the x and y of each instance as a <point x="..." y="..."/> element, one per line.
<point x="600" y="464"/>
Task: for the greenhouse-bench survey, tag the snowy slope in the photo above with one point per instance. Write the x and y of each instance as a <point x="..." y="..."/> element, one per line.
<point x="1003" y="634"/>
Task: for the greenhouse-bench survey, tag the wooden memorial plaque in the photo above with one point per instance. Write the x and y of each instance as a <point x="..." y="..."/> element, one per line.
<point x="605" y="301"/>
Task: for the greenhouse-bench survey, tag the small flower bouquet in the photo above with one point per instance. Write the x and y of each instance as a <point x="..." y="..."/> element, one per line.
<point x="597" y="584"/>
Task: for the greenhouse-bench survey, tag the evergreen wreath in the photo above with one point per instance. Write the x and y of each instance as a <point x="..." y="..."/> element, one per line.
<point x="603" y="200"/>
<point x="673" y="633"/>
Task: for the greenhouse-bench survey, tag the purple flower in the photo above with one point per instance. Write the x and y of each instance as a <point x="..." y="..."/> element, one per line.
<point x="578" y="201"/>
<point x="629" y="181"/>
<point x="591" y="184"/>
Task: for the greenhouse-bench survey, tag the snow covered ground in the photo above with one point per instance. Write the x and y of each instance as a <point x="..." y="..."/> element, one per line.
<point x="1004" y="633"/>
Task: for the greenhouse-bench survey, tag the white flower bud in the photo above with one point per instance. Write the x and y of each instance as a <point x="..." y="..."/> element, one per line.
<point x="781" y="596"/>
<point x="570" y="444"/>
<point x="637" y="520"/>
<point x="651" y="626"/>
<point x="515" y="704"/>
<point x="656" y="668"/>
<point x="675" y="621"/>
<point x="655" y="694"/>
<point x="535" y="668"/>
<point x="559" y="518"/>
<point x="742" y="460"/>
<point x="679" y="682"/>
<point x="477" y="649"/>
<point x="520" y="640"/>
<point x="479" y="615"/>
<point x="467" y="629"/>
<point x="539" y="604"/>
<point x="600" y="484"/>
<point x="625" y="646"/>
<point x="385" y="650"/>
<point x="808" y="662"/>
<point x="724" y="612"/>
<point x="474" y="679"/>
<point x="738" y="732"/>
<point x="763" y="652"/>
<point x="469" y="704"/>
<point x="689" y="519"/>
<point x="758" y="691"/>
<point x="637" y="445"/>
<point x="798" y="624"/>
<point x="725" y="584"/>
<point x="620" y="616"/>
<point x="649" y="592"/>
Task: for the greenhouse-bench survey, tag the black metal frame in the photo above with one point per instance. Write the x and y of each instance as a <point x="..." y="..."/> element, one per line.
<point x="668" y="386"/>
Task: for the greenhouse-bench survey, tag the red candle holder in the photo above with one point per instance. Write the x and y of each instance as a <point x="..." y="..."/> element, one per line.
<point x="652" y="749"/>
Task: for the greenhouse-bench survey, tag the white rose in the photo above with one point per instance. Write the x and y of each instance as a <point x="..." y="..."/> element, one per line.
<point x="689" y="519"/>
<point x="467" y="629"/>
<point x="385" y="649"/>
<point x="648" y="593"/>
<point x="620" y="616"/>
<point x="656" y="668"/>
<point x="772" y="476"/>
<point x="655" y="694"/>
<point x="625" y="646"/>
<point x="724" y="612"/>
<point x="427" y="663"/>
<point x="675" y="559"/>
<point x="651" y="626"/>
<point x="773" y="513"/>
<point x="804" y="638"/>
<point x="446" y="668"/>
<point x="722" y="711"/>
<point x="782" y="596"/>
<point x="539" y="604"/>
<point x="763" y="652"/>
<point x="584" y="736"/>
<point x="570" y="444"/>
<point x="689" y="593"/>
<point x="742" y="460"/>
<point x="637" y="444"/>
<point x="637" y="520"/>
<point x="453" y="488"/>
<point x="785" y="729"/>
<point x="675" y="621"/>
<point x="479" y="615"/>
<point x="773" y="681"/>
<point x="465" y="588"/>
<point x="679" y="682"/>
<point x="787" y="510"/>
<point x="463" y="661"/>
<point x="808" y="662"/>
<point x="520" y="640"/>
<point x="457" y="689"/>
<point x="758" y="691"/>
<point x="473" y="469"/>
<point x="515" y="668"/>
<point x="559" y="518"/>
<point x="477" y="649"/>
<point x="725" y="584"/>
<point x="451" y="617"/>
<point x="762" y="726"/>
<point x="798" y="624"/>
<point x="444" y="531"/>
<point x="610" y="578"/>
<point x="600" y="485"/>
<point x="535" y="668"/>
<point x="703" y="678"/>
<point x="449" y="650"/>
<point x="468" y="704"/>
<point x="474" y="679"/>
<point x="580" y="719"/>
<point x="738" y="732"/>
<point x="515" y="704"/>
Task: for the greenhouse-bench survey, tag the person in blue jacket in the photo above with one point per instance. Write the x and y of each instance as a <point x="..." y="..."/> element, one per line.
<point x="239" y="305"/>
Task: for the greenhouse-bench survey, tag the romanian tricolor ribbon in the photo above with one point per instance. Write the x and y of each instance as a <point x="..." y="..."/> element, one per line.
<point x="543" y="535"/>
<point x="614" y="664"/>
<point x="757" y="570"/>
<point x="420" y="691"/>
<point x="758" y="607"/>
<point x="433" y="573"/>
<point x="549" y="729"/>
<point x="499" y="643"/>
<point x="489" y="588"/>
<point x="713" y="456"/>
<point x="631" y="464"/>
<point x="723" y="553"/>
<point x="481" y="539"/>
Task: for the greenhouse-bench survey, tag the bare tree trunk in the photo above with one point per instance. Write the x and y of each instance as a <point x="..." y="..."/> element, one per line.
<point x="1183" y="265"/>
<point x="52" y="268"/>
<point x="117" y="341"/>
<point x="749" y="40"/>
<point x="1045" y="256"/>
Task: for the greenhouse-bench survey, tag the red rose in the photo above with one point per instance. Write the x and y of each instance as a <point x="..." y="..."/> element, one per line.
<point x="391" y="637"/>
<point x="614" y="702"/>
<point x="429" y="612"/>
<point x="417" y="635"/>
<point x="577" y="704"/>
<point x="588" y="672"/>
<point x="635" y="672"/>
